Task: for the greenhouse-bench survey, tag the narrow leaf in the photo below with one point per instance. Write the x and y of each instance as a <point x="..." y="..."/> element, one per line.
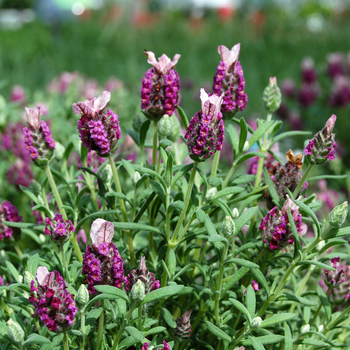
<point x="162" y="293"/>
<point x="277" y="319"/>
<point x="218" y="332"/>
<point x="238" y="305"/>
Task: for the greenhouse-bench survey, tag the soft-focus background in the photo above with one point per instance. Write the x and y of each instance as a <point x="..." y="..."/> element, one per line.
<point x="58" y="47"/>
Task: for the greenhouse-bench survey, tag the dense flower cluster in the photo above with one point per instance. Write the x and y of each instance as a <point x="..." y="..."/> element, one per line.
<point x="166" y="346"/>
<point x="52" y="301"/>
<point x="8" y="212"/>
<point x="229" y="80"/>
<point x="309" y="90"/>
<point x="38" y="138"/>
<point x="160" y="87"/>
<point x="102" y="263"/>
<point x="183" y="326"/>
<point x="58" y="229"/>
<point x="19" y="173"/>
<point x="205" y="134"/>
<point x="275" y="227"/>
<point x="142" y="274"/>
<point x="322" y="147"/>
<point x="336" y="277"/>
<point x="98" y="131"/>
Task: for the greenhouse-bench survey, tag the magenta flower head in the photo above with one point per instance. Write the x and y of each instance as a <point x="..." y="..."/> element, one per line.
<point x="308" y="72"/>
<point x="58" y="229"/>
<point x="275" y="226"/>
<point x="160" y="87"/>
<point x="336" y="277"/>
<point x="205" y="134"/>
<point x="8" y="212"/>
<point x="183" y="326"/>
<point x="102" y="263"/>
<point x="142" y="274"/>
<point x="19" y="173"/>
<point x="53" y="303"/>
<point x="38" y="138"/>
<point x="229" y="80"/>
<point x="98" y="131"/>
<point x="321" y="148"/>
<point x="166" y="346"/>
<point x="255" y="286"/>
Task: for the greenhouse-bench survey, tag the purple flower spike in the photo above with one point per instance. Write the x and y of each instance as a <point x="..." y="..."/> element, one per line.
<point x="8" y="212"/>
<point x="144" y="275"/>
<point x="53" y="303"/>
<point x="58" y="229"/>
<point x="160" y="87"/>
<point x="275" y="226"/>
<point x="335" y="278"/>
<point x="205" y="134"/>
<point x="98" y="131"/>
<point x="322" y="147"/>
<point x="183" y="326"/>
<point x="102" y="263"/>
<point x="229" y="80"/>
<point x="38" y="138"/>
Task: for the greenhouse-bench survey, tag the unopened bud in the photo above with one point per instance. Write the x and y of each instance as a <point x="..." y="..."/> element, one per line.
<point x="42" y="238"/>
<point x="82" y="297"/>
<point x="138" y="291"/>
<point x="28" y="278"/>
<point x="175" y="127"/>
<point x="228" y="227"/>
<point x="15" y="331"/>
<point x="20" y="278"/>
<point x="164" y="126"/>
<point x="210" y="194"/>
<point x="305" y="328"/>
<point x="137" y="122"/>
<point x="272" y="96"/>
<point x="136" y="177"/>
<point x="338" y="215"/>
<point x="246" y="146"/>
<point x="235" y="213"/>
<point x="59" y="150"/>
<point x="319" y="247"/>
<point x="256" y="322"/>
<point x="107" y="174"/>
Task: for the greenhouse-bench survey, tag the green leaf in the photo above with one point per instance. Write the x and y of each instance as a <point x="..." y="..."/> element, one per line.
<point x="113" y="291"/>
<point x="325" y="302"/>
<point x="243" y="135"/>
<point x="88" y="170"/>
<point x="23" y="225"/>
<point x="243" y="262"/>
<point x="171" y="262"/>
<point x="169" y="171"/>
<point x="205" y="182"/>
<point x="288" y="340"/>
<point x="299" y="299"/>
<point x="322" y="177"/>
<point x="251" y="300"/>
<point x="260" y="131"/>
<point x="297" y="246"/>
<point x="255" y="342"/>
<point x="168" y="317"/>
<point x="182" y="271"/>
<point x="13" y="270"/>
<point x="36" y="339"/>
<point x="238" y="305"/>
<point x="134" y="135"/>
<point x="185" y="169"/>
<point x="29" y="193"/>
<point x="135" y="226"/>
<point x="179" y="205"/>
<point x="218" y="332"/>
<point x="135" y="333"/>
<point x="313" y="341"/>
<point x="233" y="138"/>
<point x="164" y="144"/>
<point x="33" y="264"/>
<point x="246" y="156"/>
<point x="308" y="211"/>
<point x="261" y="279"/>
<point x="155" y="330"/>
<point x="227" y="191"/>
<point x="159" y="190"/>
<point x="99" y="297"/>
<point x="162" y="293"/>
<point x="338" y="232"/>
<point x="316" y="263"/>
<point x="245" y="217"/>
<point x="119" y="196"/>
<point x="216" y="238"/>
<point x="183" y="117"/>
<point x="243" y="179"/>
<point x="92" y="216"/>
<point x="143" y="132"/>
<point x="143" y="170"/>
<point x="289" y="134"/>
<point x="277" y="319"/>
<point x="215" y="181"/>
<point x="128" y="167"/>
<point x="235" y="278"/>
<point x="271" y="188"/>
<point x="265" y="340"/>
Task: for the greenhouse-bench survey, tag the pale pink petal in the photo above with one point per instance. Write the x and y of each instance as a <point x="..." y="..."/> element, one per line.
<point x="102" y="231"/>
<point x="33" y="116"/>
<point x="41" y="273"/>
<point x="330" y="124"/>
<point x="101" y="101"/>
<point x="211" y="105"/>
<point x="165" y="64"/>
<point x="85" y="108"/>
<point x="229" y="56"/>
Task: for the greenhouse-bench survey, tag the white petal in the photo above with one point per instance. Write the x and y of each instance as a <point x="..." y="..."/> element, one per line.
<point x="102" y="231"/>
<point x="101" y="101"/>
<point x="41" y="273"/>
<point x="229" y="56"/>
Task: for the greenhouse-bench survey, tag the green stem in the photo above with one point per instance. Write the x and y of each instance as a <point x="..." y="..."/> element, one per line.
<point x="303" y="179"/>
<point x="229" y="175"/>
<point x="140" y="318"/>
<point x="82" y="328"/>
<point x="65" y="341"/>
<point x="155" y="143"/>
<point x="74" y="241"/>
<point x="215" y="164"/>
<point x="131" y="248"/>
<point x="18" y="250"/>
<point x="319" y="308"/>
<point x="121" y="329"/>
<point x="219" y="284"/>
<point x="65" y="267"/>
<point x="100" y="327"/>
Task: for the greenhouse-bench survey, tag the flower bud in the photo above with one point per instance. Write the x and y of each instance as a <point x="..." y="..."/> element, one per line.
<point x="183" y="326"/>
<point x="28" y="278"/>
<point x="82" y="297"/>
<point x="175" y="127"/>
<point x="164" y="126"/>
<point x="42" y="238"/>
<point x="305" y="328"/>
<point x="235" y="213"/>
<point x="210" y="194"/>
<point x="107" y="174"/>
<point x="228" y="227"/>
<point x="137" y="122"/>
<point x="138" y="292"/>
<point x="15" y="331"/>
<point x="58" y="229"/>
<point x="338" y="215"/>
<point x="256" y="322"/>
<point x="59" y="150"/>
<point x="272" y="96"/>
<point x="136" y="177"/>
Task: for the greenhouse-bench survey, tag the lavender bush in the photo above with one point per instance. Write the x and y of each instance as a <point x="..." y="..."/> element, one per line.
<point x="153" y="245"/>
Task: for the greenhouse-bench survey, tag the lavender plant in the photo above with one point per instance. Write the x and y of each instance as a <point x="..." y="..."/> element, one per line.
<point x="168" y="250"/>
